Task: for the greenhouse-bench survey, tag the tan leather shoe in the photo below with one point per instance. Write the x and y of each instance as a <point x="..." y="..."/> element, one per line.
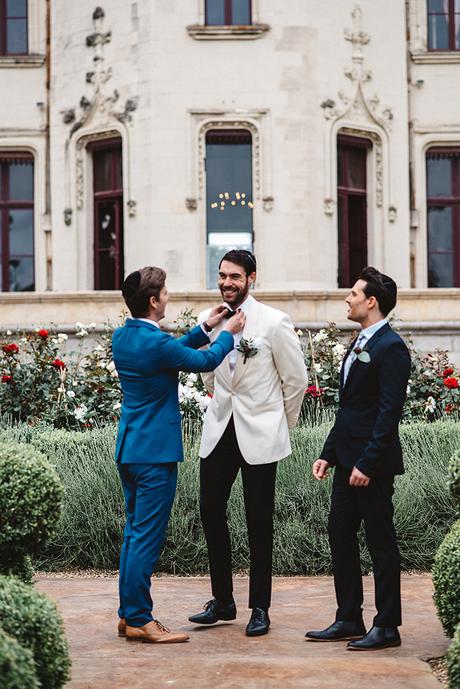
<point x="122" y="627"/>
<point x="154" y="633"/>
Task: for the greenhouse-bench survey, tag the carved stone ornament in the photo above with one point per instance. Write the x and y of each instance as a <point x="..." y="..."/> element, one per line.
<point x="392" y="214"/>
<point x="191" y="204"/>
<point x="329" y="205"/>
<point x="132" y="208"/>
<point x="268" y="202"/>
<point x="67" y="216"/>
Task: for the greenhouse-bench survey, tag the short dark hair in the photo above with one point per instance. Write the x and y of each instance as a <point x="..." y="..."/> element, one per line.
<point x="243" y="258"/>
<point x="380" y="286"/>
<point x="139" y="286"/>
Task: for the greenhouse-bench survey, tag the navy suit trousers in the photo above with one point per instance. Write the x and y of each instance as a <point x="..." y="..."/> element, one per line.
<point x="149" y="494"/>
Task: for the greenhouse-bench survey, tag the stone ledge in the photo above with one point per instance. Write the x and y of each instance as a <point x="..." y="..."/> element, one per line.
<point x="201" y="32"/>
<point x="21" y="61"/>
<point x="436" y="58"/>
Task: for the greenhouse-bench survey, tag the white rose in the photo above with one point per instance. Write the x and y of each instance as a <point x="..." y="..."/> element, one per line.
<point x="62" y="337"/>
<point x="320" y="336"/>
<point x="80" y="412"/>
<point x="71" y="394"/>
<point x="193" y="377"/>
<point x="318" y="368"/>
<point x="81" y="333"/>
<point x="8" y="332"/>
<point x="116" y="406"/>
<point x="110" y="366"/>
<point x="114" y="374"/>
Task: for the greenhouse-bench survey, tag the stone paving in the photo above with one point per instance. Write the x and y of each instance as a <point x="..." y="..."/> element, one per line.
<point x="223" y="657"/>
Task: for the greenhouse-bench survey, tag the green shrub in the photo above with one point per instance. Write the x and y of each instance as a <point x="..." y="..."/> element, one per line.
<point x="453" y="661"/>
<point x="446" y="580"/>
<point x="454" y="478"/>
<point x="30" y="499"/>
<point x="32" y="618"/>
<point x="17" y="667"/>
<point x="17" y="564"/>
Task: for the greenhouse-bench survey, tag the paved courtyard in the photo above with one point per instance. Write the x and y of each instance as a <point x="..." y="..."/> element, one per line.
<point x="223" y="657"/>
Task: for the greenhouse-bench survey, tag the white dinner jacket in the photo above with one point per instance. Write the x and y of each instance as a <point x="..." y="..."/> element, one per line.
<point x="264" y="394"/>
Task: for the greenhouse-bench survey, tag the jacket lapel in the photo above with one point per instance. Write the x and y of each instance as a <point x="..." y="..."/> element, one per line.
<point x="368" y="347"/>
<point x="250" y="330"/>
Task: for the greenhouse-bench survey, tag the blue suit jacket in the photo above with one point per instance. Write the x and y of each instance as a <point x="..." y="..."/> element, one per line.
<point x="365" y="433"/>
<point x="148" y="361"/>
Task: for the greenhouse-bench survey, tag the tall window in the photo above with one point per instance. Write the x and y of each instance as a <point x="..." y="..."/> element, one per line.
<point x="444" y="24"/>
<point x="13" y="27"/>
<point x="229" y="202"/>
<point x="17" y="222"/>
<point x="228" y="12"/>
<point x="352" y="207"/>
<point x="108" y="214"/>
<point x="443" y="192"/>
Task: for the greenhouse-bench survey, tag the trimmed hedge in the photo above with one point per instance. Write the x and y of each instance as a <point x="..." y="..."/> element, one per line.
<point x="30" y="501"/>
<point x="17" y="667"/>
<point x="454" y="478"/>
<point x="453" y="661"/>
<point x="32" y="618"/>
<point x="446" y="580"/>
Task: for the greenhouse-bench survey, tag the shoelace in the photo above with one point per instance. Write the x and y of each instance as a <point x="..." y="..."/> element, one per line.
<point x="208" y="605"/>
<point x="161" y="627"/>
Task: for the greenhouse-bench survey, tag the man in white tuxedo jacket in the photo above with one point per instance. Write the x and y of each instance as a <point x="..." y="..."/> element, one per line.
<point x="256" y="398"/>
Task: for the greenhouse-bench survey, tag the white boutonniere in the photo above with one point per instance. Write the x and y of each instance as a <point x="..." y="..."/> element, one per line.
<point x="247" y="347"/>
<point x="362" y="355"/>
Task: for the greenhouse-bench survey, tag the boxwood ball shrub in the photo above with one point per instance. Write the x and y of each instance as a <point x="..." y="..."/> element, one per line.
<point x="30" y="499"/>
<point x="453" y="661"/>
<point x="17" y="667"/>
<point x="33" y="619"/>
<point x="446" y="580"/>
<point x="454" y="478"/>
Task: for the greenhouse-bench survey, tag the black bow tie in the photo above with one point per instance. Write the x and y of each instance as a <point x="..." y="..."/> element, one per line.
<point x="229" y="313"/>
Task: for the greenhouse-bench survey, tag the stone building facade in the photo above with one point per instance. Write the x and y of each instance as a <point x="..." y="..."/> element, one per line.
<point x="323" y="135"/>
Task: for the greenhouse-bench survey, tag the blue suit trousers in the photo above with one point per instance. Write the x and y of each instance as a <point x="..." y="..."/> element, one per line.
<point x="149" y="491"/>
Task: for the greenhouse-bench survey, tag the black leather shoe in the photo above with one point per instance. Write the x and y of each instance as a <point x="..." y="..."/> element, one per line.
<point x="377" y="637"/>
<point x="339" y="631"/>
<point x="259" y="623"/>
<point x="213" y="612"/>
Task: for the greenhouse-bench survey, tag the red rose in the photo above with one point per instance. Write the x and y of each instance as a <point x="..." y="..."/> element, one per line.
<point x="7" y="379"/>
<point x="449" y="408"/>
<point x="57" y="363"/>
<point x="313" y="391"/>
<point x="451" y="382"/>
<point x="447" y="372"/>
<point x="10" y="348"/>
<point x="43" y="333"/>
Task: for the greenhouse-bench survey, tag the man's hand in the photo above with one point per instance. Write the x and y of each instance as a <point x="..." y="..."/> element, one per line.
<point x="216" y="316"/>
<point x="320" y="468"/>
<point x="358" y="479"/>
<point x="236" y="322"/>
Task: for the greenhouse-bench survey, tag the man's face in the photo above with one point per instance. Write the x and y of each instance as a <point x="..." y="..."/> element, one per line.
<point x="358" y="304"/>
<point x="160" y="304"/>
<point x="233" y="283"/>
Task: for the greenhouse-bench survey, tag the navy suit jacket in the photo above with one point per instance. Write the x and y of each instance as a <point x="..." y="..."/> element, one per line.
<point x="148" y="361"/>
<point x="365" y="432"/>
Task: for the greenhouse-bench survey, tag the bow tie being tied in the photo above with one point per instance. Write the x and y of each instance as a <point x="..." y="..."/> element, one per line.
<point x="229" y="313"/>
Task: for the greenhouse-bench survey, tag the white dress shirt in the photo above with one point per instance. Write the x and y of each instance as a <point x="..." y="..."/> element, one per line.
<point x="148" y="320"/>
<point x="233" y="356"/>
<point x="363" y="337"/>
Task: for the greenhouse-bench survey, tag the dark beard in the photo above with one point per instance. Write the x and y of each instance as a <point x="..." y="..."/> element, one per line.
<point x="239" y="297"/>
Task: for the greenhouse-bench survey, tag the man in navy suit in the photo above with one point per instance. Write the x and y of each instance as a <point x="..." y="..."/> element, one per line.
<point x="365" y="450"/>
<point x="149" y="442"/>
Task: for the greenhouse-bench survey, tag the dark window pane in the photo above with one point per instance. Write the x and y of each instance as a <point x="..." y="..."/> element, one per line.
<point x="357" y="168"/>
<point x="438" y="32"/>
<point x="16" y="8"/>
<point x="21" y="181"/>
<point x="107" y="270"/>
<point x="21" y="227"/>
<point x="103" y="170"/>
<point x="440" y="229"/>
<point x="229" y="187"/>
<point x="118" y="172"/>
<point x="457" y="31"/>
<point x="241" y="12"/>
<point x="106" y="229"/>
<point x="16" y="36"/>
<point x="440" y="270"/>
<point x="457" y="6"/>
<point x="438" y="5"/>
<point x="352" y="231"/>
<point x="21" y="274"/>
<point x="439" y="172"/>
<point x="215" y="12"/>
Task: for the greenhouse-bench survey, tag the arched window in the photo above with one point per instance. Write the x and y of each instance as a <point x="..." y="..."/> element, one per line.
<point x="17" y="222"/>
<point x="352" y="155"/>
<point x="229" y="204"/>
<point x="443" y="214"/>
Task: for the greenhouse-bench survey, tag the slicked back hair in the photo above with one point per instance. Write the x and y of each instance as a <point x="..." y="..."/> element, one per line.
<point x="380" y="286"/>
<point x="139" y="286"/>
<point x="243" y="258"/>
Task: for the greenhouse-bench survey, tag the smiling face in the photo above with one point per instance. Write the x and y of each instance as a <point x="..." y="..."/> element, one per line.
<point x="362" y="309"/>
<point x="233" y="283"/>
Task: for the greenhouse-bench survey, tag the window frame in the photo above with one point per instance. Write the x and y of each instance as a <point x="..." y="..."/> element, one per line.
<point x="453" y="202"/>
<point x="3" y="31"/>
<point x="451" y="48"/>
<point x="6" y="205"/>
<point x="228" y="14"/>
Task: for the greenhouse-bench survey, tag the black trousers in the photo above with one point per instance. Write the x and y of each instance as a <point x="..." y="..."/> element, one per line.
<point x="372" y="505"/>
<point x="217" y="475"/>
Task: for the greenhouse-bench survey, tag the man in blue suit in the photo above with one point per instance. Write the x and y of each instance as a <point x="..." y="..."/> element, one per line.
<point x="364" y="448"/>
<point x="149" y="442"/>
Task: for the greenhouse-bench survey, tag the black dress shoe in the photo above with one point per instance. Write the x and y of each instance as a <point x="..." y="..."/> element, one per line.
<point x="339" y="631"/>
<point x="213" y="612"/>
<point x="259" y="623"/>
<point x="377" y="637"/>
